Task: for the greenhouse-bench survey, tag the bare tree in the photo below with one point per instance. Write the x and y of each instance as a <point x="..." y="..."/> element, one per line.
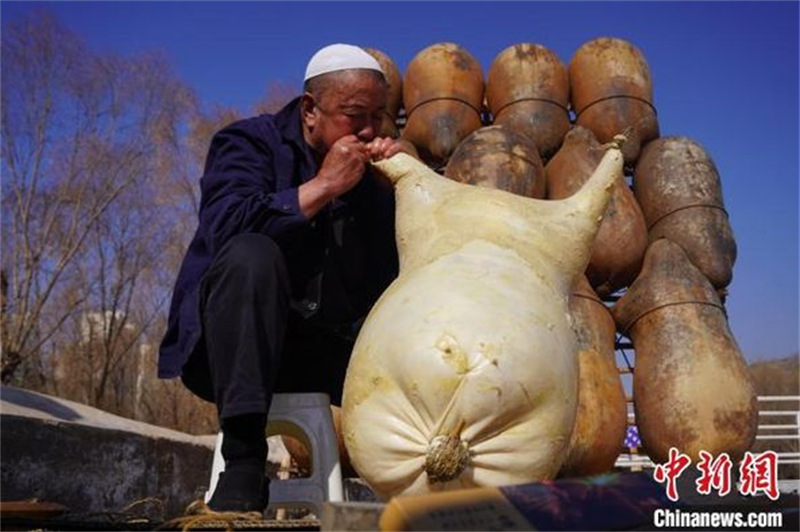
<point x="88" y="140"/>
<point x="101" y="158"/>
<point x="277" y="95"/>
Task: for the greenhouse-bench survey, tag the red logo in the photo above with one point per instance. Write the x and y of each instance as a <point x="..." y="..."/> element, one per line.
<point x="715" y="474"/>
<point x="759" y="473"/>
<point x="670" y="471"/>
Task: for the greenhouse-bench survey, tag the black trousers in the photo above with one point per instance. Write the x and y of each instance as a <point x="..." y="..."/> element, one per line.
<point x="253" y="344"/>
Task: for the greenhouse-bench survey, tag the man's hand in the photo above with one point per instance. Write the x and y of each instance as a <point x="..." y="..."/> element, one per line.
<point x="384" y="147"/>
<point x="341" y="169"/>
<point x="344" y="165"/>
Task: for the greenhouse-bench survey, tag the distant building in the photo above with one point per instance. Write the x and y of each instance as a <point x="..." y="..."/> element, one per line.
<point x="95" y="325"/>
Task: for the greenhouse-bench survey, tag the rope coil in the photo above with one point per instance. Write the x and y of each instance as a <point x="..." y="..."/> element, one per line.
<point x="199" y="516"/>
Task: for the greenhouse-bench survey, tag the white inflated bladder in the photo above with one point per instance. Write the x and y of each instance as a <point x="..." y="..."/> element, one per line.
<point x="465" y="371"/>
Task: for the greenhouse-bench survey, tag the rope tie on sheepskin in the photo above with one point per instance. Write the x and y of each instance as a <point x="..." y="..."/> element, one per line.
<point x="437" y="98"/>
<point x="590" y="298"/>
<point x="614" y="97"/>
<point x="641" y="315"/>
<point x="447" y="456"/>
<point x="531" y="99"/>
<point x="690" y="206"/>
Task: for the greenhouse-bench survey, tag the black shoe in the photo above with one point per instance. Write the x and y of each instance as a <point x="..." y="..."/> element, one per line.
<point x="240" y="491"/>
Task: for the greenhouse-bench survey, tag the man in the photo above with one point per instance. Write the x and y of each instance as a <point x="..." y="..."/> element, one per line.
<point x="295" y="243"/>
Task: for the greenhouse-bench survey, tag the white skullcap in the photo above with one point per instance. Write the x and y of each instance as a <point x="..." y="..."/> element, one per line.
<point x="337" y="57"/>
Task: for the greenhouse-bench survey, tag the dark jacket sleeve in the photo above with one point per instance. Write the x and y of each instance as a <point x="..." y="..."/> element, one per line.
<point x="240" y="192"/>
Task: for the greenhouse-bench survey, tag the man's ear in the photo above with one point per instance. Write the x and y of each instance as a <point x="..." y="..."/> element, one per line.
<point x="307" y="108"/>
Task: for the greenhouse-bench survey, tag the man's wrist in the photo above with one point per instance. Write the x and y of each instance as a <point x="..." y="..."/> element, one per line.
<point x="313" y="195"/>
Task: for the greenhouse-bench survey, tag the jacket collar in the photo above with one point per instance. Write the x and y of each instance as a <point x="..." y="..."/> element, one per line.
<point x="289" y="124"/>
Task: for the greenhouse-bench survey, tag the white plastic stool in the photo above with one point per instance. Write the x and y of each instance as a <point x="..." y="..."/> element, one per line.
<point x="307" y="417"/>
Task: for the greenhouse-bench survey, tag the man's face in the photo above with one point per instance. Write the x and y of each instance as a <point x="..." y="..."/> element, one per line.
<point x="352" y="103"/>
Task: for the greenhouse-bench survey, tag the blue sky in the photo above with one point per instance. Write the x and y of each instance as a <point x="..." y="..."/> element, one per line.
<point x="725" y="74"/>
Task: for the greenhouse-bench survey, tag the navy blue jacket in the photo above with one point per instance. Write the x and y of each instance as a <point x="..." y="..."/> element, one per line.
<point x="253" y="170"/>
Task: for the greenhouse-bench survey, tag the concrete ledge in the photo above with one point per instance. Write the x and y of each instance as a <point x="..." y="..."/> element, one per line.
<point x="92" y="461"/>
